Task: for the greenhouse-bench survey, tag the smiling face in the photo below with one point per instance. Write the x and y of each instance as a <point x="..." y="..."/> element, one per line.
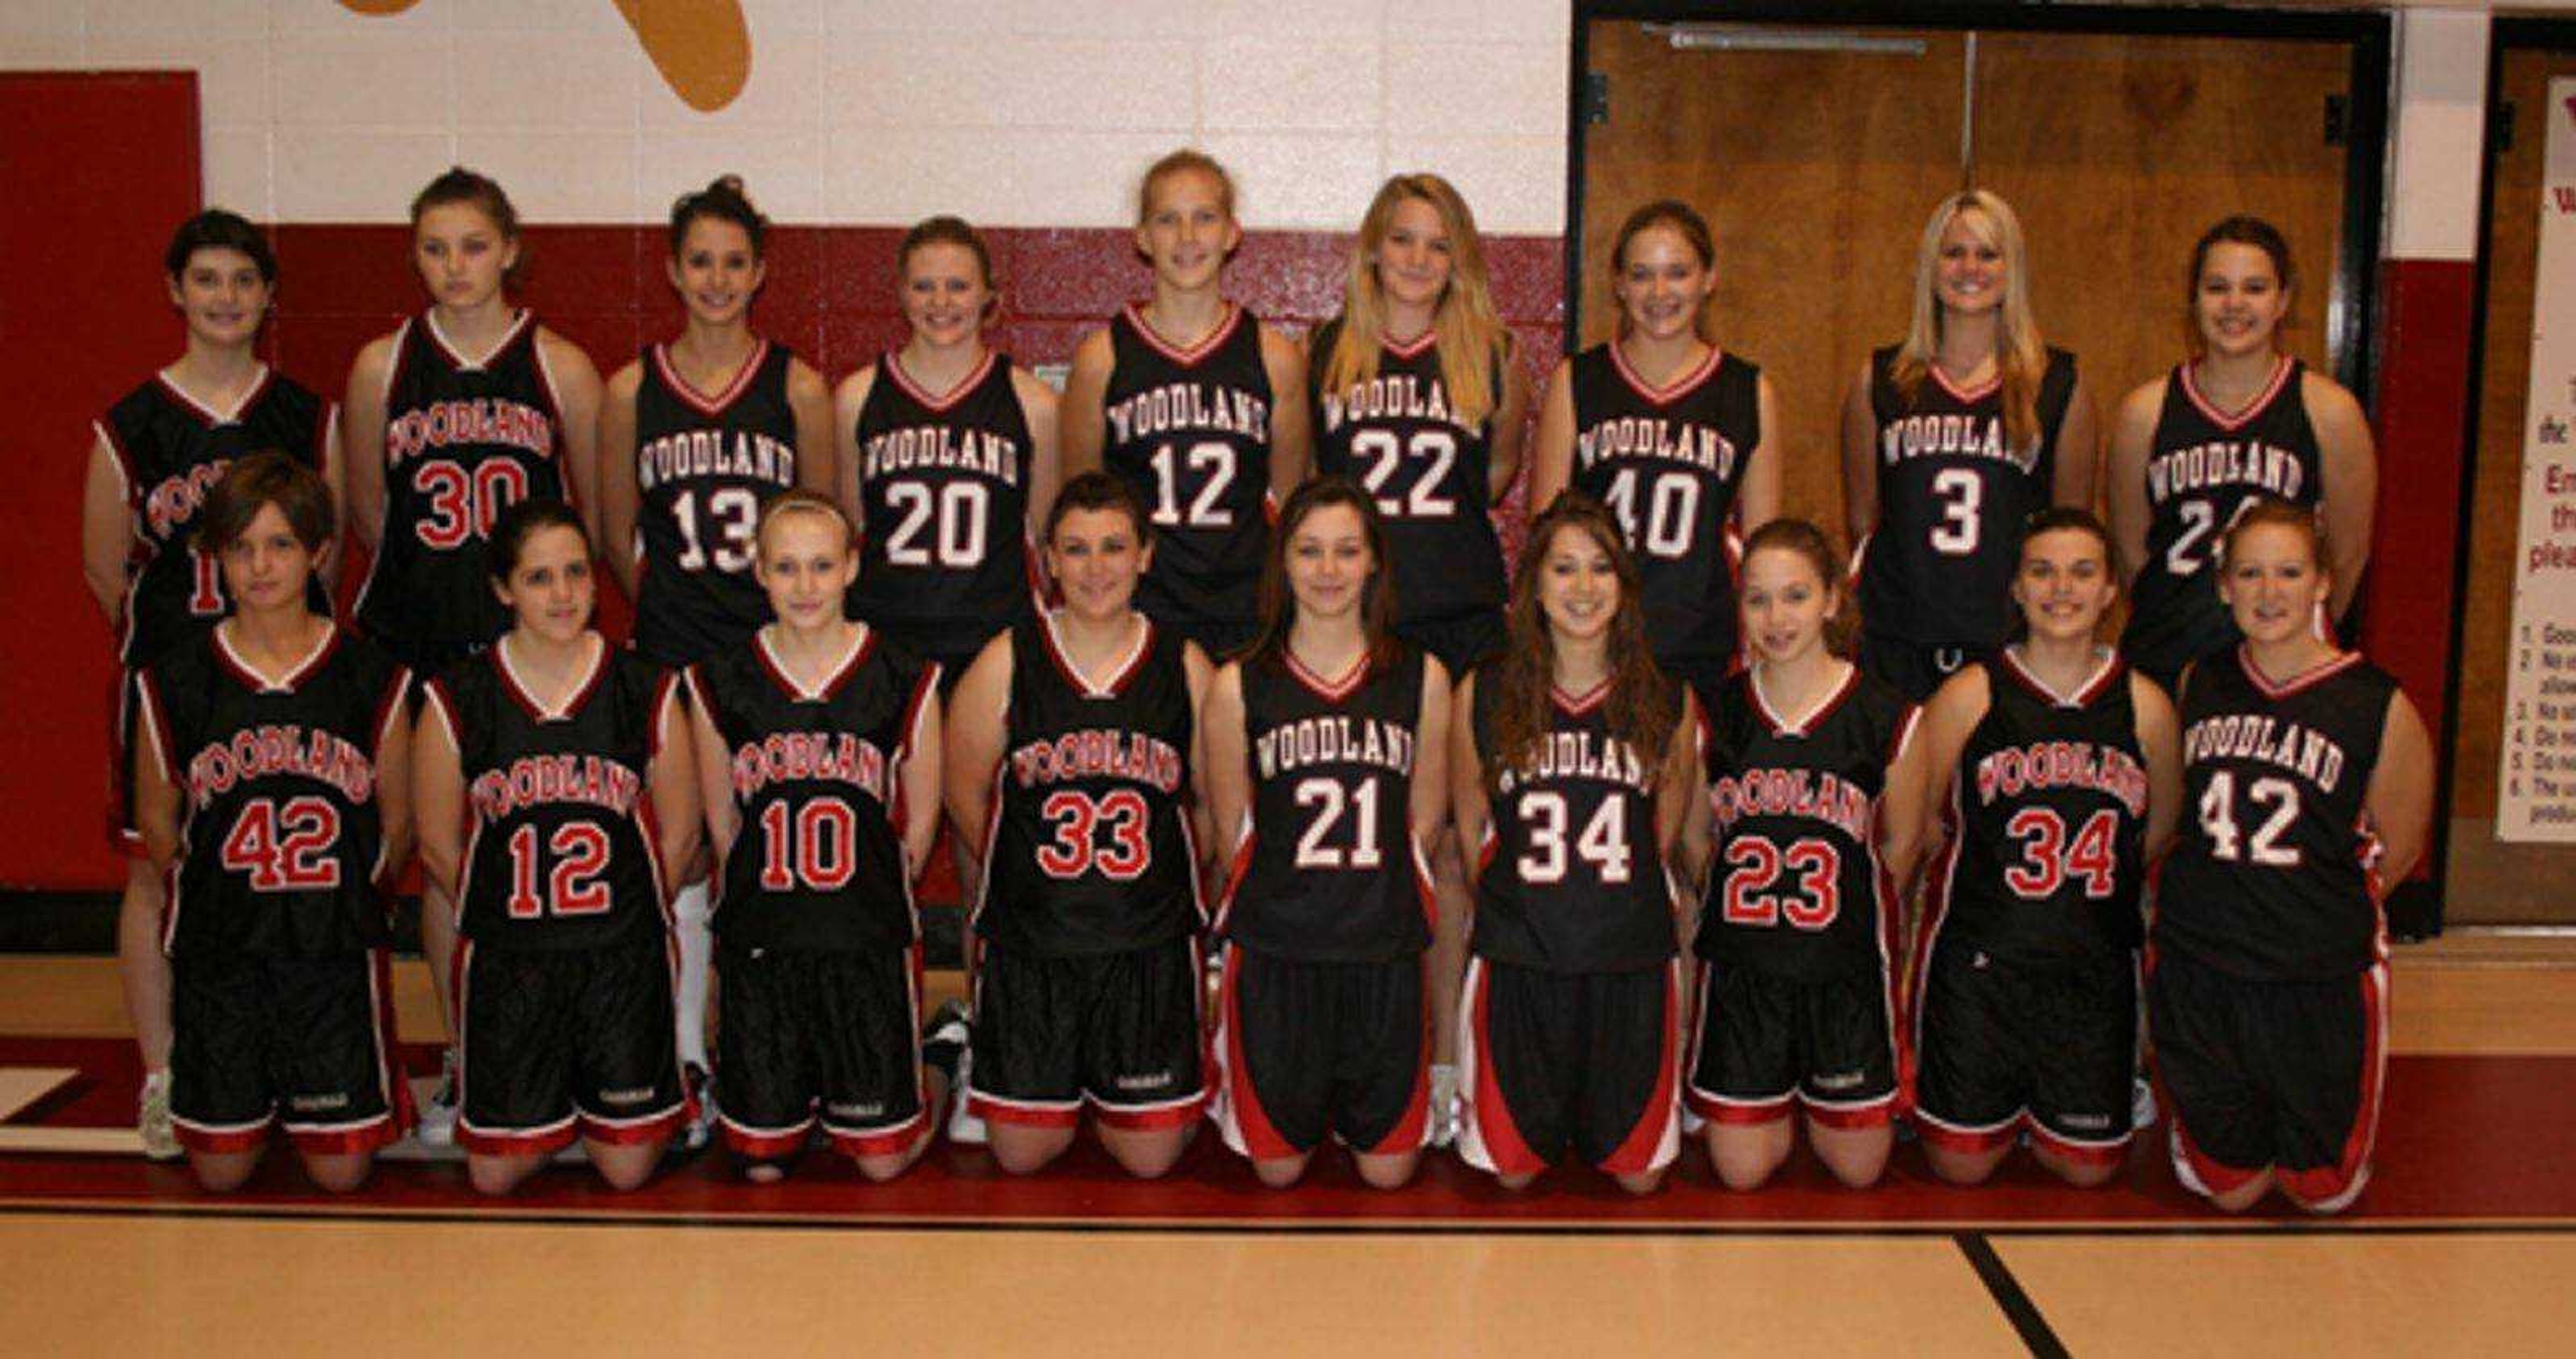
<point x="716" y="271"/>
<point x="1969" y="274"/>
<point x="1663" y="283"/>
<point x="945" y="294"/>
<point x="462" y="254"/>
<point x="806" y="566"/>
<point x="1578" y="585"/>
<point x="550" y="589"/>
<point x="1329" y="563"/>
<point x="1188" y="231"/>
<point x="266" y="567"/>
<point x="1097" y="556"/>
<point x="2272" y="581"/>
<point x="221" y="295"/>
<point x="1786" y="604"/>
<point x="2064" y="584"/>
<point x="2239" y="302"/>
<point x="1414" y="260"/>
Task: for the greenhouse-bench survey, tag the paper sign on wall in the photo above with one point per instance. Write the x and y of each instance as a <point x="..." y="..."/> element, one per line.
<point x="2536" y="768"/>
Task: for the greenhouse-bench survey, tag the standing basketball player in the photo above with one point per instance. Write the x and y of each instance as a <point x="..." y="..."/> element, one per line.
<point x="271" y="784"/>
<point x="1196" y="405"/>
<point x="463" y="411"/>
<point x="153" y="458"/>
<point x="1318" y="740"/>
<point x="2062" y="776"/>
<point x="948" y="454"/>
<point x="694" y="437"/>
<point x="1418" y="397"/>
<point x="1814" y="790"/>
<point x="2237" y="421"/>
<point x="556" y="791"/>
<point x="818" y="756"/>
<point x="1673" y="434"/>
<point x="1951" y="439"/>
<point x="1070" y="744"/>
<point x="2310" y="780"/>
<point x="1570" y="769"/>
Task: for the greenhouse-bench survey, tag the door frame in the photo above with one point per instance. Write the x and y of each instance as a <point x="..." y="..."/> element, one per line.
<point x="2351" y="302"/>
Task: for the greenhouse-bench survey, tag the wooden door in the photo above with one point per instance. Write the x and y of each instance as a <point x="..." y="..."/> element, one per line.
<point x="2488" y="882"/>
<point x="1817" y="171"/>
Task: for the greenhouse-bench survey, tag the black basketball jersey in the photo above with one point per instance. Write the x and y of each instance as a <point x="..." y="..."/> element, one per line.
<point x="561" y="853"/>
<point x="2047" y="821"/>
<point x="1952" y="498"/>
<point x="704" y="466"/>
<point x="1328" y="870"/>
<point x="2203" y="469"/>
<point x="1796" y="888"/>
<point x="463" y="442"/>
<point x="1396" y="435"/>
<point x="943" y="489"/>
<point x="1669" y="461"/>
<point x="817" y="782"/>
<point x="1088" y="850"/>
<point x="1189" y="430"/>
<point x="2274" y="876"/>
<point x="280" y="845"/>
<point x="170" y="450"/>
<point x="1570" y="877"/>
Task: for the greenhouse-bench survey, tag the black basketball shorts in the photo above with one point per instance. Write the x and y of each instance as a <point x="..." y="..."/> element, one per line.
<point x="830" y="1037"/>
<point x="306" y="1043"/>
<point x="1913" y="669"/>
<point x="1306" y="1049"/>
<point x="1460" y="641"/>
<point x="1766" y="1042"/>
<point x="2000" y="1047"/>
<point x="2285" y="1075"/>
<point x="1117" y="1031"/>
<point x="1590" y="1059"/>
<point x="558" y="1042"/>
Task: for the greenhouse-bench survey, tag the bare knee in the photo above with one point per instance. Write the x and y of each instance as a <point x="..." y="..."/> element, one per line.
<point x="1856" y="1156"/>
<point x="1026" y="1151"/>
<point x="1516" y="1180"/>
<point x="222" y="1172"/>
<point x="1641" y="1182"/>
<point x="625" y="1168"/>
<point x="2082" y="1174"/>
<point x="339" y="1174"/>
<point x="1965" y="1168"/>
<point x="1389" y="1172"/>
<point x="1747" y="1155"/>
<point x="498" y="1175"/>
<point x="2243" y="1196"/>
<point x="1147" y="1156"/>
<point x="879" y="1169"/>
<point x="1283" y="1172"/>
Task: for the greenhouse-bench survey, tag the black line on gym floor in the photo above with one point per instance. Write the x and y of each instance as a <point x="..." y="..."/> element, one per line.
<point x="2008" y="1295"/>
<point x="2235" y="1229"/>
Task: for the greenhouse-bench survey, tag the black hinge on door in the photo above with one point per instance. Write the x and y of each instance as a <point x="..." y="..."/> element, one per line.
<point x="2502" y="131"/>
<point x="1596" y="99"/>
<point x="2338" y="119"/>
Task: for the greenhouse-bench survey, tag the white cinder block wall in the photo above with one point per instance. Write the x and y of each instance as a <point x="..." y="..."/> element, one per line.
<point x="1013" y="112"/>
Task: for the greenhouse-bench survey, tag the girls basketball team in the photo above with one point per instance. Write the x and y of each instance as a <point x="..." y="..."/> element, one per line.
<point x="1216" y="654"/>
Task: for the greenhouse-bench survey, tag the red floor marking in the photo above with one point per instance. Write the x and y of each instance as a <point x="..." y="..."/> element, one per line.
<point x="2475" y="1138"/>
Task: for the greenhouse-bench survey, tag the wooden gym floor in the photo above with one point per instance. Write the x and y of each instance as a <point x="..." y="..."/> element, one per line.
<point x="2463" y="1244"/>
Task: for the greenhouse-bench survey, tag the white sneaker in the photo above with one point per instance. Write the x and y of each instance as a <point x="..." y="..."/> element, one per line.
<point x="152" y="1119"/>
<point x="696" y="1133"/>
<point x="964" y="1128"/>
<point x="2143" y="1112"/>
<point x="1444" y="1103"/>
<point x="438" y="1114"/>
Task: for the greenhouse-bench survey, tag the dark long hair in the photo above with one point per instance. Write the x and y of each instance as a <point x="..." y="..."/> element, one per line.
<point x="1279" y="602"/>
<point x="1643" y="705"/>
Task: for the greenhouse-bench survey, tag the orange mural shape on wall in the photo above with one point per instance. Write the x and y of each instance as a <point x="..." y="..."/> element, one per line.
<point x="701" y="47"/>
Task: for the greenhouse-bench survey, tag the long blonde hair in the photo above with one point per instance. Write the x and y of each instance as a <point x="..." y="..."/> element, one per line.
<point x="1471" y="333"/>
<point x="2021" y="357"/>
